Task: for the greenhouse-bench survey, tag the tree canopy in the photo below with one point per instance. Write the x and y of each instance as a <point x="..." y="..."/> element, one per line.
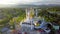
<point x="50" y="15"/>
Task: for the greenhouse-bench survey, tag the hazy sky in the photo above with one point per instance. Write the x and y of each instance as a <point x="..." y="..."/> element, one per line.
<point x="27" y="1"/>
<point x="37" y="2"/>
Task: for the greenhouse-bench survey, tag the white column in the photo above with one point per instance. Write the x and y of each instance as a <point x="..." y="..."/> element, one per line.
<point x="36" y="13"/>
<point x="27" y="14"/>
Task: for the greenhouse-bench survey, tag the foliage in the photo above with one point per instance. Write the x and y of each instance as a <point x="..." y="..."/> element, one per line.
<point x="50" y="17"/>
<point x="10" y="13"/>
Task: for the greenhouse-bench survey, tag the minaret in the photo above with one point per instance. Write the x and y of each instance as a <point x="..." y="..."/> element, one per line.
<point x="36" y="12"/>
<point x="29" y="13"/>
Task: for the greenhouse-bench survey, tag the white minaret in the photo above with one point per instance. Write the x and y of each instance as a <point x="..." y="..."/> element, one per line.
<point x="29" y="13"/>
<point x="36" y="12"/>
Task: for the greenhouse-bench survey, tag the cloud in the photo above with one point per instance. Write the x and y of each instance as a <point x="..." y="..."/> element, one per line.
<point x="17" y="1"/>
<point x="36" y="2"/>
<point x="27" y="1"/>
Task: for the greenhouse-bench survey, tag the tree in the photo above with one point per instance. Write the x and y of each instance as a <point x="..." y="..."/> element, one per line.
<point x="50" y="17"/>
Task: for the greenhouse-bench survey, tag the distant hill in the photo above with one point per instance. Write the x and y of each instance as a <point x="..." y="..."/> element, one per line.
<point x="33" y="5"/>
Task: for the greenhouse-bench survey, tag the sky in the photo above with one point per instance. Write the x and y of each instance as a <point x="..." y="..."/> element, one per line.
<point x="36" y="2"/>
<point x="18" y="1"/>
<point x="26" y="1"/>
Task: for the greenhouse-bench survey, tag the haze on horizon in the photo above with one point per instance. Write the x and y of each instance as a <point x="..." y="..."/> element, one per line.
<point x="4" y="3"/>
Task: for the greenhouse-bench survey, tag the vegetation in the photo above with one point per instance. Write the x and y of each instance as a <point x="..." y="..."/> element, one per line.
<point x="50" y="15"/>
<point x="9" y="15"/>
<point x="12" y="15"/>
